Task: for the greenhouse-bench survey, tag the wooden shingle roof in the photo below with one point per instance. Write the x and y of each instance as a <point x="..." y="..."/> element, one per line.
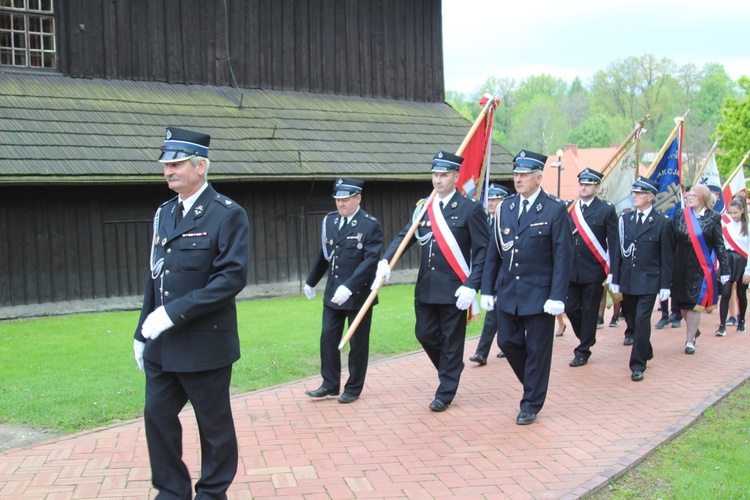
<point x="58" y="129"/>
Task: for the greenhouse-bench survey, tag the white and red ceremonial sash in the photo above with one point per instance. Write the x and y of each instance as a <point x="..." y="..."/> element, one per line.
<point x="589" y="238"/>
<point x="449" y="246"/>
<point x="725" y="221"/>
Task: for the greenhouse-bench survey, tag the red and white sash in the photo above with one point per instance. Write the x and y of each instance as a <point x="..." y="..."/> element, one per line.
<point x="725" y="221"/>
<point x="589" y="238"/>
<point x="450" y="248"/>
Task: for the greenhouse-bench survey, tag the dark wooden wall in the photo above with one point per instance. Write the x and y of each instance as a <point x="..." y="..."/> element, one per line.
<point x="372" y="48"/>
<point x="60" y="243"/>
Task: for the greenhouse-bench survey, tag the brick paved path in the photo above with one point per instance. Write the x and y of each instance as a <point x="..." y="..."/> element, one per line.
<point x="596" y="423"/>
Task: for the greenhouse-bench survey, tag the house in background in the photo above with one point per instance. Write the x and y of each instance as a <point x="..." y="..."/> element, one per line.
<point x="294" y="93"/>
<point x="563" y="182"/>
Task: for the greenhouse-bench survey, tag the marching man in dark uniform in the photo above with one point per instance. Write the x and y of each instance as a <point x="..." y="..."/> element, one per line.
<point x="453" y="235"/>
<point x="495" y="195"/>
<point x="642" y="268"/>
<point x="352" y="244"/>
<point x="186" y="340"/>
<point x="526" y="278"/>
<point x="594" y="223"/>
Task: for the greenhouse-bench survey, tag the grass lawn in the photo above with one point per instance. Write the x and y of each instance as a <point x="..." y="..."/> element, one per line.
<point x="70" y="373"/>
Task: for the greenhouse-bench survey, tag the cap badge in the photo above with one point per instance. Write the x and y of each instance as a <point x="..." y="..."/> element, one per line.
<point x="440" y="154"/>
<point x="522" y="154"/>
<point x="169" y="134"/>
<point x="339" y="182"/>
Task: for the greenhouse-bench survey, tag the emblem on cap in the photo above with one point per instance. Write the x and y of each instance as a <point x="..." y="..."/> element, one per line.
<point x="440" y="154"/>
<point x="169" y="135"/>
<point x="522" y="154"/>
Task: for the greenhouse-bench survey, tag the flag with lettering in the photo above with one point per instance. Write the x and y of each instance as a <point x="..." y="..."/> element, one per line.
<point x="668" y="174"/>
<point x="710" y="177"/>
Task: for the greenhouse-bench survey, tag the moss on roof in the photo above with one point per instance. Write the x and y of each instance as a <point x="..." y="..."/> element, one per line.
<point x="59" y="129"/>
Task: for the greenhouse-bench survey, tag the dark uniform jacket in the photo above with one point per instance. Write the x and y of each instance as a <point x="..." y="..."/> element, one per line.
<point x="601" y="217"/>
<point x="647" y="267"/>
<point x="205" y="265"/>
<point x="354" y="254"/>
<point x="536" y="267"/>
<point x="437" y="282"/>
<point x="687" y="277"/>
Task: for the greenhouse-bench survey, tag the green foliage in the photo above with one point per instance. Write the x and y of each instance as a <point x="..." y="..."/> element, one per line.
<point x="596" y="132"/>
<point x="71" y="373"/>
<point x="735" y="130"/>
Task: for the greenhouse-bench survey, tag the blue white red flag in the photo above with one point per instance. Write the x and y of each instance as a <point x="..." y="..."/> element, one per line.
<point x="668" y="174"/>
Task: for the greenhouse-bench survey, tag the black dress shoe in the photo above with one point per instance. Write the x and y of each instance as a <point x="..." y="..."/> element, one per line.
<point x="628" y="340"/>
<point x="322" y="392"/>
<point x="525" y="418"/>
<point x="478" y="358"/>
<point x="438" y="405"/>
<point x="637" y="376"/>
<point x="501" y="354"/>
<point x="578" y="362"/>
<point x="661" y="323"/>
<point x="348" y="397"/>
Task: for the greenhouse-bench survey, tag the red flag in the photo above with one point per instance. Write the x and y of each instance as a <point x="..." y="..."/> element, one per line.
<point x="473" y="174"/>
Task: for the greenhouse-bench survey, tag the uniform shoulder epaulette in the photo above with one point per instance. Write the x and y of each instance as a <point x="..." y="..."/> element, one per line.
<point x="332" y="212"/>
<point x="225" y="202"/>
<point x="368" y="216"/>
<point x="608" y="203"/>
<point x="555" y="198"/>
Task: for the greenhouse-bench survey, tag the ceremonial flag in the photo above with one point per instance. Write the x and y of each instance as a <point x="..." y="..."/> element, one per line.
<point x="473" y="176"/>
<point x="735" y="184"/>
<point x="710" y="177"/>
<point x="668" y="174"/>
<point x="616" y="184"/>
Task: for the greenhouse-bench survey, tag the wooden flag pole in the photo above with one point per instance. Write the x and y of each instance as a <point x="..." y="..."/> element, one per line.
<point x="667" y="143"/>
<point x="626" y="143"/>
<point x="616" y="157"/>
<point x="705" y="163"/>
<point x="734" y="172"/>
<point x="374" y="293"/>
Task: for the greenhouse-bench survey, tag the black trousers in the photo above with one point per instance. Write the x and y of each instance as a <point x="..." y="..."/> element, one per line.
<point x="582" y="309"/>
<point x="638" y="309"/>
<point x="489" y="329"/>
<point x="527" y="344"/>
<point x="359" y="349"/>
<point x="441" y="329"/>
<point x="208" y="392"/>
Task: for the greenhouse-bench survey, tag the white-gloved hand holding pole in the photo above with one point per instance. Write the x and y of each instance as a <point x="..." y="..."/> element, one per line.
<point x="383" y="271"/>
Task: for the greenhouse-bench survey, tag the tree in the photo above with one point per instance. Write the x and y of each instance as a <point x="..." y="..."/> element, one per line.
<point x="735" y="130"/>
<point x="575" y="104"/>
<point x="596" y="132"/>
<point x="538" y="125"/>
<point x="539" y="86"/>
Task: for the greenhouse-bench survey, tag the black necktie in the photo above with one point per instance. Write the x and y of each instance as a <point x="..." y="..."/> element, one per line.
<point x="442" y="205"/>
<point x="524" y="209"/>
<point x="178" y="215"/>
<point x="639" y="221"/>
<point x="584" y="207"/>
<point x="342" y="223"/>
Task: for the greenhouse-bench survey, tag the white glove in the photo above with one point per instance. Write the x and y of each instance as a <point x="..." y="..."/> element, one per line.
<point x="342" y="295"/>
<point x="724" y="278"/>
<point x="663" y="294"/>
<point x="609" y="279"/>
<point x="487" y="302"/>
<point x="554" y="307"/>
<point x="614" y="288"/>
<point x="138" y="348"/>
<point x="156" y="323"/>
<point x="309" y="292"/>
<point x="384" y="271"/>
<point x="465" y="297"/>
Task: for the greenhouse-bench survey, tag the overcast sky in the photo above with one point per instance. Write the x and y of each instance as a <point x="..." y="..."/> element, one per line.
<point x="520" y="38"/>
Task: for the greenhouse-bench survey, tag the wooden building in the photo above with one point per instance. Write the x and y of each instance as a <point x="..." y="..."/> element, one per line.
<point x="294" y="93"/>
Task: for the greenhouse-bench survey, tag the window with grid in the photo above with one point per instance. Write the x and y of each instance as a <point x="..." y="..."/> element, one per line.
<point x="27" y="34"/>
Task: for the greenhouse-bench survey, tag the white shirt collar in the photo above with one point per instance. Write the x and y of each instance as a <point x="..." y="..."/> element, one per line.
<point x="532" y="198"/>
<point x="187" y="203"/>
<point x="445" y="200"/>
<point x="645" y="213"/>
